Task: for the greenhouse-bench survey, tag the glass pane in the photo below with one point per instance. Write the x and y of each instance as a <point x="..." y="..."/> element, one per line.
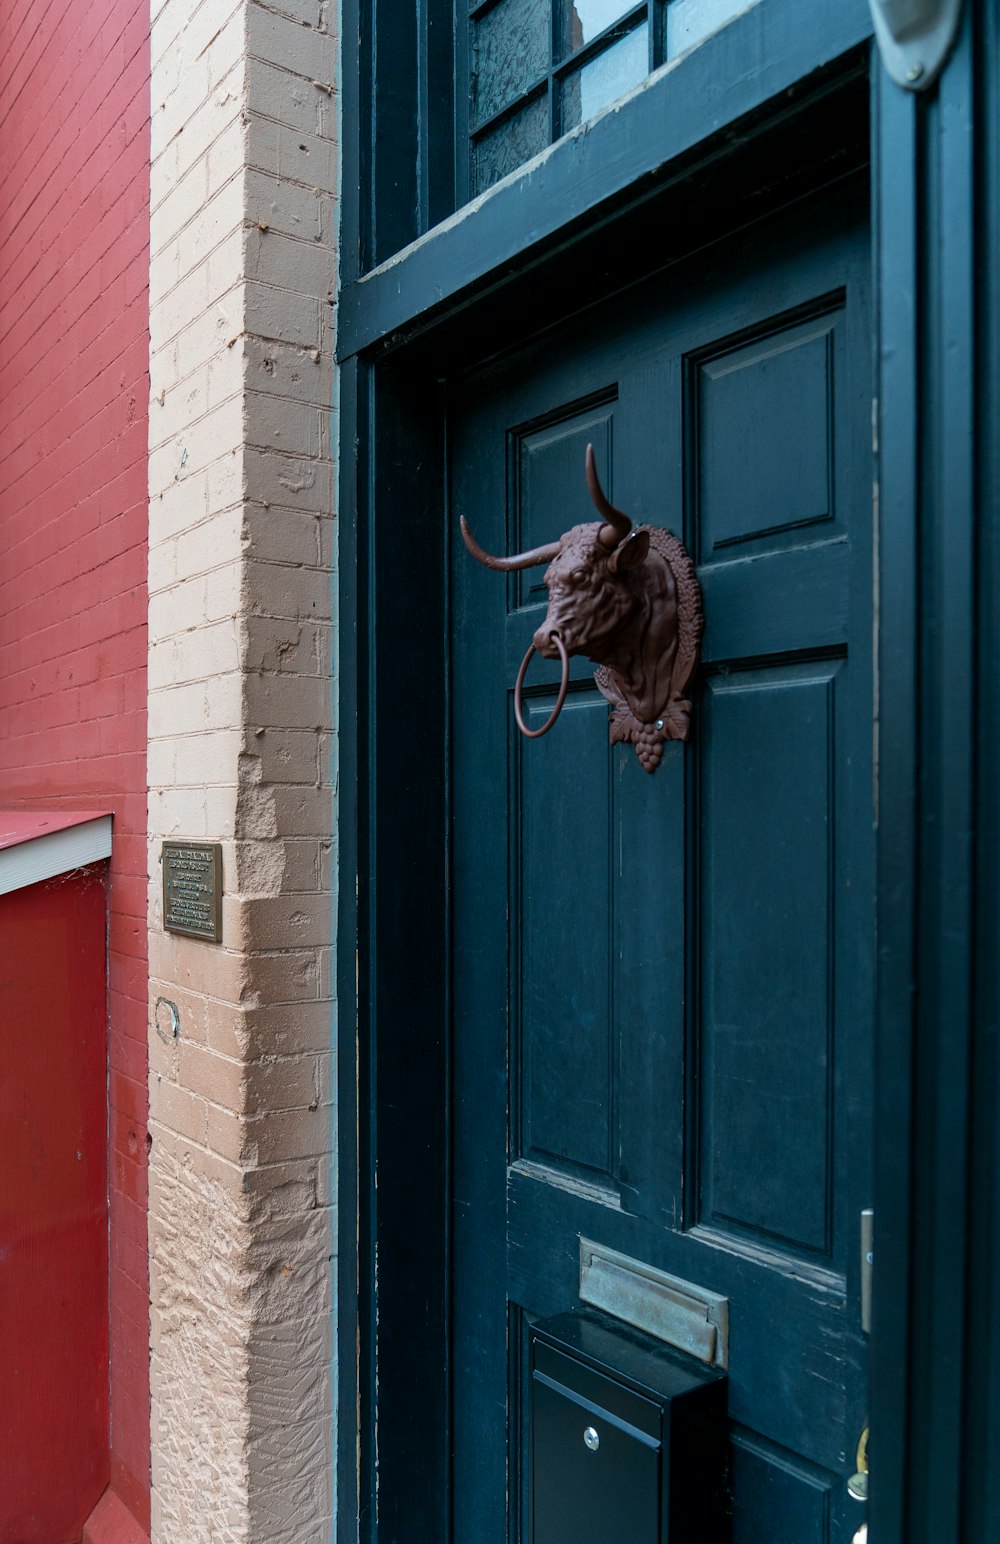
<point x="584" y="19"/>
<point x="605" y="78"/>
<point x="512" y="53"/>
<point x="689" y="21"/>
<point x="512" y="142"/>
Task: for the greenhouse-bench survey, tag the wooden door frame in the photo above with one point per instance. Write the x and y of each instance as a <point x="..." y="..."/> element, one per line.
<point x="936" y="1365"/>
<point x="936" y="206"/>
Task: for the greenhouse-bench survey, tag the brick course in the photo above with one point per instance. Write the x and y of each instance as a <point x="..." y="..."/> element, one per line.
<point x="74" y="213"/>
<point x="240" y="750"/>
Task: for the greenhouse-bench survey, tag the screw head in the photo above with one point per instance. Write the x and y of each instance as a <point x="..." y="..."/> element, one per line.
<point x="591" y="1439"/>
<point x="659" y="723"/>
<point x="915" y="71"/>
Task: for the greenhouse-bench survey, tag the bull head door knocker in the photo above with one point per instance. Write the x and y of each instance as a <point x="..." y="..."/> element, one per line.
<point x="628" y="599"/>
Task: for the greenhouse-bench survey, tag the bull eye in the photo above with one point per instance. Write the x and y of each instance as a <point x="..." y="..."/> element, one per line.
<point x="578" y="576"/>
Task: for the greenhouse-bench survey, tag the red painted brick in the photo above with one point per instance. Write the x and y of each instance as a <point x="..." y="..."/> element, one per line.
<point x="129" y="1177"/>
<point x="126" y="1415"/>
<point x="133" y="1302"/>
<point x="127" y="1169"/>
<point x="128" y="1055"/>
<point x="74" y="152"/>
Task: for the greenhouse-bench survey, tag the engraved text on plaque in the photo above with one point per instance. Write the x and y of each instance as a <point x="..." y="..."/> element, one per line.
<point x="192" y="889"/>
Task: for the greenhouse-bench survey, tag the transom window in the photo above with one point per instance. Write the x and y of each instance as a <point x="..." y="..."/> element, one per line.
<point x="539" y="68"/>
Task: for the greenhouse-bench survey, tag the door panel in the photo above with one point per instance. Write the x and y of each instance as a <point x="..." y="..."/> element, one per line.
<point x="566" y="1083"/>
<point x="766" y="1033"/>
<point x="776" y="1499"/>
<point x="662" y="985"/>
<point x="761" y="412"/>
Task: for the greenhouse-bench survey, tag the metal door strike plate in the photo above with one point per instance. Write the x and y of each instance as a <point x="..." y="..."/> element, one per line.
<point x="192" y="889"/>
<point x="677" y="1312"/>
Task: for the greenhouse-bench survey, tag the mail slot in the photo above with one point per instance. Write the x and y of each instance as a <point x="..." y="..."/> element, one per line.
<point x="628" y="1438"/>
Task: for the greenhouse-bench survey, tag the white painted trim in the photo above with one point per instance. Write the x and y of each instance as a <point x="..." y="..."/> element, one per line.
<point x="57" y="852"/>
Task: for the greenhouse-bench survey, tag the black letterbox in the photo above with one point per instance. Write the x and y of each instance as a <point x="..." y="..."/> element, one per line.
<point x="628" y="1438"/>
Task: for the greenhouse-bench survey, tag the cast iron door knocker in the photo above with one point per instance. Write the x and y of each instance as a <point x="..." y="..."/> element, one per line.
<point x="627" y="598"/>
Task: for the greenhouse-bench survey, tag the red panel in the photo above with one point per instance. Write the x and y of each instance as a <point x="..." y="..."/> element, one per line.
<point x="74" y="390"/>
<point x="53" y="1208"/>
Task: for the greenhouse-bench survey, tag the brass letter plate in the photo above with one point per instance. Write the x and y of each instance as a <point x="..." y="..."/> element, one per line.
<point x="192" y="889"/>
<point x="678" y="1312"/>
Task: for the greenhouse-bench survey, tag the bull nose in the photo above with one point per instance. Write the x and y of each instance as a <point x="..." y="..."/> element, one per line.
<point x="544" y="641"/>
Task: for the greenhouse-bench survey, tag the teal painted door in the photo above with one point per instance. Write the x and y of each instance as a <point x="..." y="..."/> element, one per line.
<point x="663" y="985"/>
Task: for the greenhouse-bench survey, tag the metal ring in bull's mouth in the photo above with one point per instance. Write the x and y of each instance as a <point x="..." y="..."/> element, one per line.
<point x="534" y="734"/>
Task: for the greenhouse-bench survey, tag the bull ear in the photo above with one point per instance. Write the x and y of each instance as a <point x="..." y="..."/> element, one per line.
<point x="630" y="553"/>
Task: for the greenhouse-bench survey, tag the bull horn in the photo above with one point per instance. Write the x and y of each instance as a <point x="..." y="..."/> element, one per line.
<point x="519" y="560"/>
<point x="617" y="525"/>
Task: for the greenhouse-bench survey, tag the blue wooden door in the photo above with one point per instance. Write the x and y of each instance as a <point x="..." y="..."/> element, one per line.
<point x="663" y="985"/>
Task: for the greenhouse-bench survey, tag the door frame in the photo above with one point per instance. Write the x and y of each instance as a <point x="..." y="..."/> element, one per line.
<point x="935" y="208"/>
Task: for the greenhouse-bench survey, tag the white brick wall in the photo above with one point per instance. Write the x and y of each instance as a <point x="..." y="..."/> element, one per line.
<point x="242" y="274"/>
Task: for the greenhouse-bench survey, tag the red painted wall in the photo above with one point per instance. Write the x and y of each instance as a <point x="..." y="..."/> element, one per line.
<point x="53" y="1208"/>
<point x="74" y="222"/>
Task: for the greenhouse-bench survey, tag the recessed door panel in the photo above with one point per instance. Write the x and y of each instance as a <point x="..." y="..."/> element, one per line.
<point x="545" y="466"/>
<point x="566" y="1027"/>
<point x="777" y="1499"/>
<point x="764" y="447"/>
<point x="767" y="963"/>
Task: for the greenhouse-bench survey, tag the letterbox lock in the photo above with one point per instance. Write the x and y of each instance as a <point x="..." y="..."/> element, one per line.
<point x="591" y="1439"/>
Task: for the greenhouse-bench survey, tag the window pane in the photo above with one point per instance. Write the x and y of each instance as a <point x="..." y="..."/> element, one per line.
<point x="689" y="21"/>
<point x="605" y="78"/>
<point x="512" y="142"/>
<point x="512" y="53"/>
<point x="584" y="19"/>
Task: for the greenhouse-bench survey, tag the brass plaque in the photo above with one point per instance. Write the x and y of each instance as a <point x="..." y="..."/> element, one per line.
<point x="192" y="889"/>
